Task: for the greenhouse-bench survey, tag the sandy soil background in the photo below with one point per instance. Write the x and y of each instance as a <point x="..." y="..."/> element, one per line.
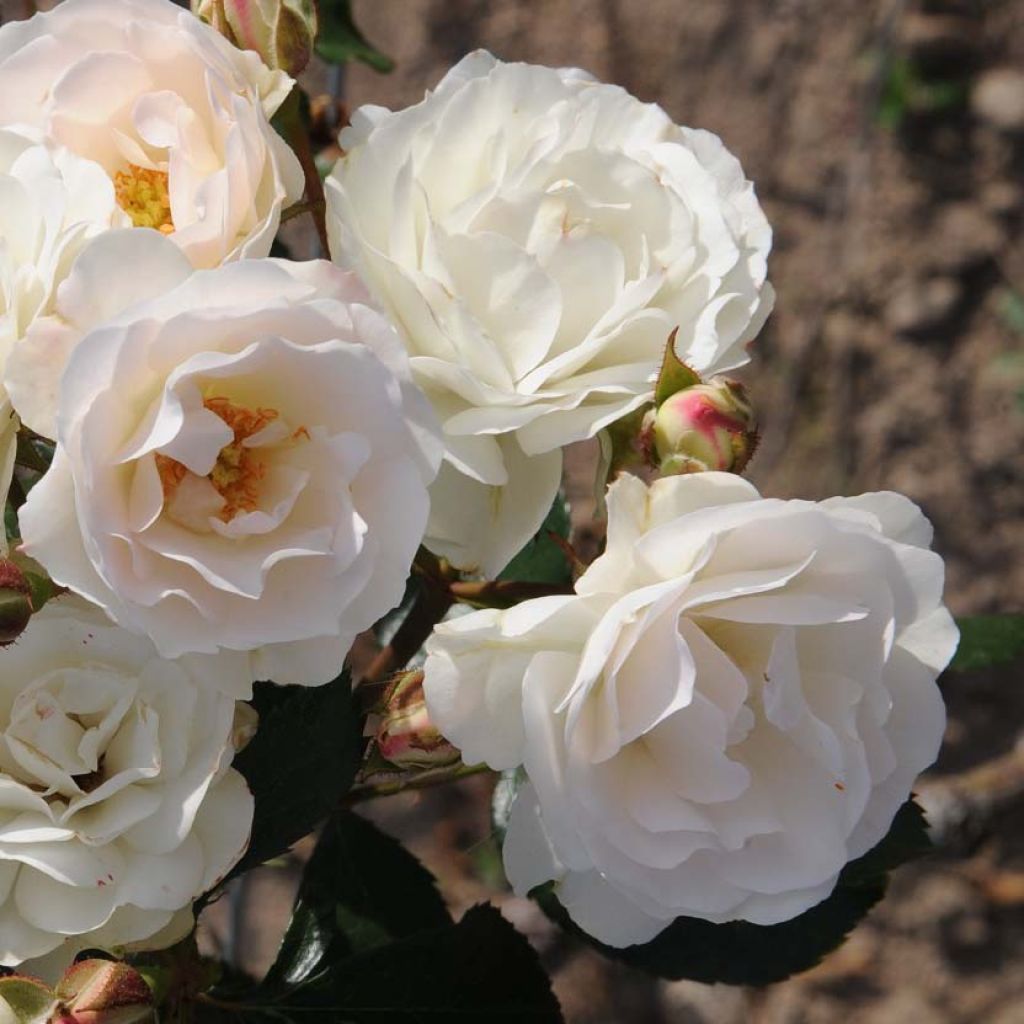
<point x="886" y="139"/>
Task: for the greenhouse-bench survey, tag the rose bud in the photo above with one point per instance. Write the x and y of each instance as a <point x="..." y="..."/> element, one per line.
<point x="708" y="426"/>
<point x="15" y="601"/>
<point x="104" y="992"/>
<point x="406" y="737"/>
<point x="280" y="31"/>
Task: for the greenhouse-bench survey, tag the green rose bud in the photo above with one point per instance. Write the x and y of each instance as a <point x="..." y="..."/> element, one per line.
<point x="282" y="32"/>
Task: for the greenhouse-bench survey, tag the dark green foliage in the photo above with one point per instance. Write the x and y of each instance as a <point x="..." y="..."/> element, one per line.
<point x="300" y="763"/>
<point x="543" y="560"/>
<point x="370" y="940"/>
<point x="360" y="890"/>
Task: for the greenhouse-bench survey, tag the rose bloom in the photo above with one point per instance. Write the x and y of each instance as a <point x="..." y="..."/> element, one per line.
<point x="118" y="806"/>
<point x="51" y="204"/>
<point x="536" y="236"/>
<point x="242" y="462"/>
<point x="734" y="704"/>
<point x="177" y="118"/>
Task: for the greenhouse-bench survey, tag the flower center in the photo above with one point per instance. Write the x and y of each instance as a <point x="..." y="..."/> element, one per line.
<point x="239" y="469"/>
<point x="143" y="195"/>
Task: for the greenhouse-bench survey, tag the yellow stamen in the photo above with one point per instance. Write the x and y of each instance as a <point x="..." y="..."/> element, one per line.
<point x="238" y="470"/>
<point x="143" y="195"/>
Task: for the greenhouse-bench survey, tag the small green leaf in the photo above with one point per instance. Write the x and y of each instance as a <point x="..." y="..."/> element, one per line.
<point x="340" y="39"/>
<point x="674" y="375"/>
<point x="480" y="969"/>
<point x="739" y="953"/>
<point x="543" y="560"/>
<point x="301" y="761"/>
<point x="25" y="1000"/>
<point x="987" y="640"/>
<point x="361" y="889"/>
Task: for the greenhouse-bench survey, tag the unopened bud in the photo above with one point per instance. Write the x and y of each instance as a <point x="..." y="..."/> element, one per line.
<point x="406" y="737"/>
<point x="15" y="601"/>
<point x="704" y="427"/>
<point x="104" y="992"/>
<point x="282" y="32"/>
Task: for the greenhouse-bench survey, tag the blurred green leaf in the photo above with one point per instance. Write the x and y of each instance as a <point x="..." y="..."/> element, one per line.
<point x="301" y="761"/>
<point x="739" y="953"/>
<point x="906" y="89"/>
<point x="340" y="39"/>
<point x="987" y="640"/>
<point x="543" y="560"/>
<point x="1011" y="310"/>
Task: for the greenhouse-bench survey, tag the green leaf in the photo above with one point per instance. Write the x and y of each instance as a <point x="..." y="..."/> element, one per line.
<point x="361" y="889"/>
<point x="739" y="953"/>
<point x="543" y="560"/>
<point x="481" y="969"/>
<point x="674" y="375"/>
<point x="25" y="1000"/>
<point x="340" y="40"/>
<point x="987" y="640"/>
<point x="301" y="761"/>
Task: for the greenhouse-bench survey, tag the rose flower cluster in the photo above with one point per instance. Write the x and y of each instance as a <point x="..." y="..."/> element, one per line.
<point x="248" y="452"/>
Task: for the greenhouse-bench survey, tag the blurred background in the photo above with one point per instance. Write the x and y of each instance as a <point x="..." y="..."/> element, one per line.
<point x="886" y="140"/>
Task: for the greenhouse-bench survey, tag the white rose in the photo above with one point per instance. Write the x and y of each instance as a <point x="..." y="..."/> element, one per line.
<point x="732" y="707"/>
<point x="118" y="806"/>
<point x="175" y="115"/>
<point x="242" y="461"/>
<point x="536" y="236"/>
<point x="51" y="204"/>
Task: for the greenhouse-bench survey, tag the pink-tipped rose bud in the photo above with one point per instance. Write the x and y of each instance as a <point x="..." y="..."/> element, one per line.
<point x="103" y="992"/>
<point x="406" y="737"/>
<point x="282" y="32"/>
<point x="704" y="427"/>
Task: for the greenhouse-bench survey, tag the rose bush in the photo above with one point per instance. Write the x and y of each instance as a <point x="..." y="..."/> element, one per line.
<point x="734" y="704"/>
<point x="536" y="236"/>
<point x="177" y="118"/>
<point x="118" y="805"/>
<point x="242" y="461"/>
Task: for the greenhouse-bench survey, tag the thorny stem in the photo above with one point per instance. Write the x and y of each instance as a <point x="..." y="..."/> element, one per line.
<point x="294" y="130"/>
<point x="404" y="783"/>
<point x="315" y="207"/>
<point x="440" y="589"/>
<point x="504" y="593"/>
<point x="429" y="608"/>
